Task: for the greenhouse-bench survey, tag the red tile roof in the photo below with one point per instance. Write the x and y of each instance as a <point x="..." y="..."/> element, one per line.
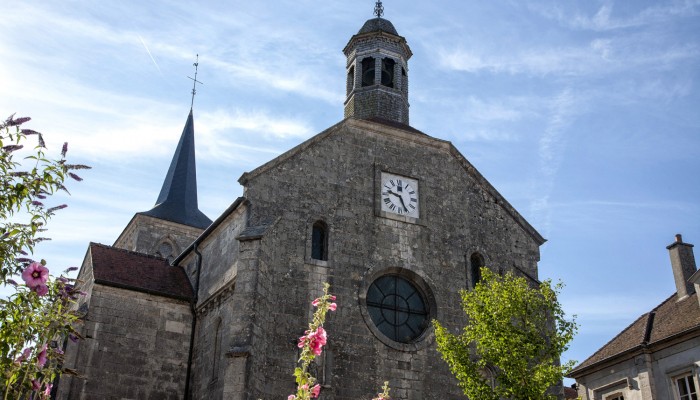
<point x="139" y="272"/>
<point x="668" y="319"/>
<point x="570" y="393"/>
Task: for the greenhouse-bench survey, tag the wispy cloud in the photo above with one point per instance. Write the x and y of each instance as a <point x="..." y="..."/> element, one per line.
<point x="600" y="56"/>
<point x="604" y="20"/>
<point x="247" y="137"/>
<point x="258" y="122"/>
<point x="551" y="146"/>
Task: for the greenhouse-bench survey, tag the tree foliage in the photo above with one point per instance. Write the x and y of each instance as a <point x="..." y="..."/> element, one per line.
<point x="36" y="314"/>
<point x="514" y="337"/>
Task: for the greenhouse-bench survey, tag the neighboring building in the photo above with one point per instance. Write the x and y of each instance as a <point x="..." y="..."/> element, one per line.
<point x="395" y="220"/>
<point x="658" y="356"/>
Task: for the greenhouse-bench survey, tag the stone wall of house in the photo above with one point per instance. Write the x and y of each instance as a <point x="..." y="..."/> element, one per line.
<point x="336" y="179"/>
<point x="135" y="346"/>
<point x="644" y="376"/>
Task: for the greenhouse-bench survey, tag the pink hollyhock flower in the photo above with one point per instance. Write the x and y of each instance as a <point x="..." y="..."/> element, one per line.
<point x="47" y="390"/>
<point x="41" y="289"/>
<point x="332" y="306"/>
<point x="41" y="357"/>
<point x="332" y="298"/>
<point x="291" y="397"/>
<point x="36" y="385"/>
<point x="35" y="274"/>
<point x="315" y="390"/>
<point x="24" y="356"/>
<point x="317" y="340"/>
<point x="316" y="302"/>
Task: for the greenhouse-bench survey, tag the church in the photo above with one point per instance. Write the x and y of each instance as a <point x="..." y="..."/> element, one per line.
<point x="395" y="220"/>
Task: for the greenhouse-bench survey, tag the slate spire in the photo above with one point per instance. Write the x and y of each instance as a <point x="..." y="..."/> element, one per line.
<point x="177" y="201"/>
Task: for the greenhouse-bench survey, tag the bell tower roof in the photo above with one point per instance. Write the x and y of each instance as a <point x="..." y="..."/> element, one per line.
<point x="177" y="201"/>
<point x="378" y="24"/>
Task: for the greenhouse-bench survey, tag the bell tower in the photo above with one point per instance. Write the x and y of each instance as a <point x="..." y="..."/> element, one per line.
<point x="377" y="71"/>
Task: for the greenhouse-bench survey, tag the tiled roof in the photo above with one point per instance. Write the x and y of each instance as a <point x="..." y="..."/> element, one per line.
<point x="668" y="319"/>
<point x="378" y="24"/>
<point x="570" y="393"/>
<point x="140" y="272"/>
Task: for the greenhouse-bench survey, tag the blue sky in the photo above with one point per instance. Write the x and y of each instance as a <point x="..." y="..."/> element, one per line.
<point x="583" y="114"/>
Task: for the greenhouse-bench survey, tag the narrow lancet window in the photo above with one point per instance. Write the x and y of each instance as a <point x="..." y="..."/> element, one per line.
<point x="350" y="84"/>
<point x="368" y="71"/>
<point x="319" y="241"/>
<point x="477" y="262"/>
<point x="388" y="72"/>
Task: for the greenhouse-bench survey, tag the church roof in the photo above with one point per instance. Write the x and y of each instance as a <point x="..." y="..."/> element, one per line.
<point x="140" y="272"/>
<point x="177" y="201"/>
<point x="668" y="320"/>
<point x="378" y="24"/>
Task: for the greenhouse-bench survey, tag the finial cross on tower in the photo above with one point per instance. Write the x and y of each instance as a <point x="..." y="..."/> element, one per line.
<point x="378" y="9"/>
<point x="195" y="81"/>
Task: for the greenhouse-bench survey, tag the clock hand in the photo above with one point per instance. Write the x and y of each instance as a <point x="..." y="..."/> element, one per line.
<point x="400" y="198"/>
<point x="403" y="204"/>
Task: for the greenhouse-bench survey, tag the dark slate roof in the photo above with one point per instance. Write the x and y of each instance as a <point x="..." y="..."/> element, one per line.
<point x="378" y="24"/>
<point x="140" y="272"/>
<point x="667" y="320"/>
<point x="177" y="201"/>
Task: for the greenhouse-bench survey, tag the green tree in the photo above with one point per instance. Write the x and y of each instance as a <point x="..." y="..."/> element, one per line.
<point x="37" y="314"/>
<point x="513" y="340"/>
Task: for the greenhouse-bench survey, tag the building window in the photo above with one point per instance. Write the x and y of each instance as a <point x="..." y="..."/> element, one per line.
<point x="319" y="241"/>
<point x="166" y="250"/>
<point x="351" y="80"/>
<point x="476" y="262"/>
<point x="616" y="396"/>
<point x="397" y="308"/>
<point x="388" y="72"/>
<point x="685" y="387"/>
<point x="368" y="66"/>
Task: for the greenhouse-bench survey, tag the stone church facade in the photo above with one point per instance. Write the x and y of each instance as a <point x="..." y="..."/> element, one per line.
<point x="396" y="221"/>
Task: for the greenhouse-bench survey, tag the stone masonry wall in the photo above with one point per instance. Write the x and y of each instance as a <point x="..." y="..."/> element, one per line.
<point x="145" y="234"/>
<point x="378" y="100"/>
<point x="135" y="347"/>
<point x="335" y="179"/>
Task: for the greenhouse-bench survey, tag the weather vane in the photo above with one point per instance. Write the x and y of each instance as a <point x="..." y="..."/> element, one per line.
<point x="378" y="9"/>
<point x="195" y="81"/>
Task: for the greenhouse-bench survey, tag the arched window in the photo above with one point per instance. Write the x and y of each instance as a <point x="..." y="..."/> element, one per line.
<point x="477" y="262"/>
<point x="319" y="241"/>
<point x="350" y="84"/>
<point x="388" y="72"/>
<point x="404" y="81"/>
<point x="166" y="249"/>
<point x="368" y="71"/>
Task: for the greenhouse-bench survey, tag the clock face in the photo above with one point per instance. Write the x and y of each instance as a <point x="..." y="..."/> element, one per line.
<point x="399" y="195"/>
